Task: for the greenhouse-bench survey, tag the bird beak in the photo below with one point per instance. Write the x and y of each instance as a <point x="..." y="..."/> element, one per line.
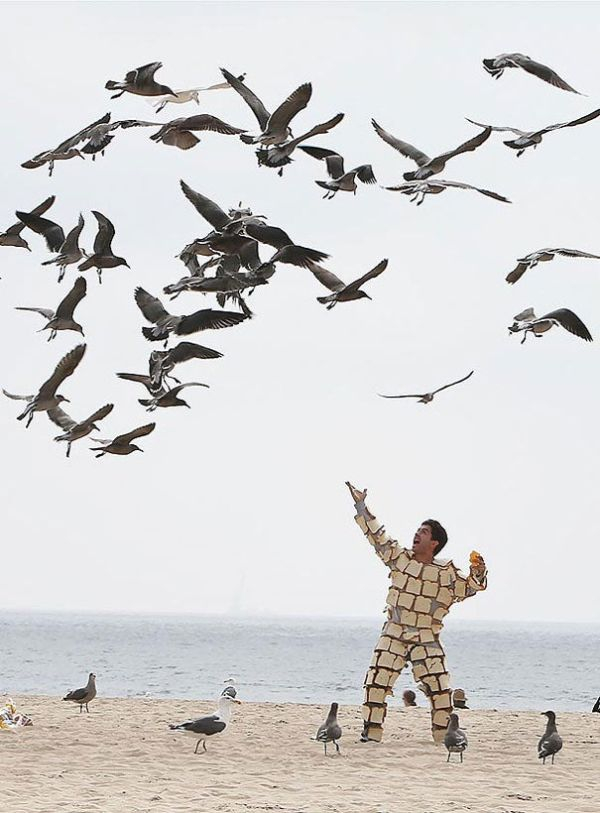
<point x="235" y="700"/>
<point x="68" y="400"/>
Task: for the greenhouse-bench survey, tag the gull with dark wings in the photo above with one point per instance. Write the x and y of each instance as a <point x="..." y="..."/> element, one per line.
<point x="278" y="156"/>
<point x="69" y="251"/>
<point x="163" y="362"/>
<point x="12" y="235"/>
<point x="62" y="317"/>
<point x="103" y="256"/>
<point x="544" y="255"/>
<point x="342" y="292"/>
<point x="160" y="396"/>
<point x="122" y="445"/>
<point x="74" y="430"/>
<point x="275" y="127"/>
<point x="417" y="190"/>
<point x="47" y="398"/>
<point x="341" y="181"/>
<point x="166" y="323"/>
<point x="497" y="65"/>
<point x="527" y="322"/>
<point x="180" y="132"/>
<point x="140" y="82"/>
<point x="531" y="138"/>
<point x="427" y="397"/>
<point x="429" y="166"/>
<point x="52" y="233"/>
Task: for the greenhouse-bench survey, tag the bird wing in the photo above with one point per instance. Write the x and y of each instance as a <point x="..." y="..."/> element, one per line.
<point x="76" y="694"/>
<point x="143" y="74"/>
<point x="571" y="322"/>
<point x="204" y="121"/>
<point x="73" y="140"/>
<point x="99" y="414"/>
<point x="51" y="231"/>
<point x="249" y="256"/>
<point x="573" y="252"/>
<point x="72" y="299"/>
<point x="65" y="367"/>
<point x="468" y="146"/>
<point x="45" y="312"/>
<point x="326" y="278"/>
<point x="422" y="395"/>
<point x="517" y="273"/>
<point x="71" y="242"/>
<point x="211" y="724"/>
<point x="139" y="378"/>
<point x="459" y="185"/>
<point x="106" y="232"/>
<point x="18" y="227"/>
<point x="150" y="306"/>
<point x="205" y="207"/>
<point x="365" y="173"/>
<point x="319" y="129"/>
<point x="271" y="235"/>
<point x="542" y="72"/>
<point x="251" y="99"/>
<point x="460" y="380"/>
<point x="60" y="418"/>
<point x="574" y="123"/>
<point x="298" y="255"/>
<point x="14" y="397"/>
<point x="184" y="351"/>
<point x="374" y="272"/>
<point x="333" y="160"/>
<point x="208" y="319"/>
<point x="126" y="439"/>
<point x="497" y="129"/>
<point x="402" y="146"/>
<point x="297" y="100"/>
<point x="176" y="390"/>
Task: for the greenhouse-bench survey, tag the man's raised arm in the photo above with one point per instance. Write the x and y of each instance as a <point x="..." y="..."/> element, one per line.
<point x="385" y="547"/>
<point x="475" y="582"/>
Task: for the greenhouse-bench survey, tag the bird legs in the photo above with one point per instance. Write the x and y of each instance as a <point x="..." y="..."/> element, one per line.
<point x="203" y="745"/>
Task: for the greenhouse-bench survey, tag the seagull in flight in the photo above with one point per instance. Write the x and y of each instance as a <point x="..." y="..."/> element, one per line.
<point x="427" y="397"/>
<point x="179" y="132"/>
<point x="527" y="322"/>
<point x="342" y="292"/>
<point x="12" y="235"/>
<point x="429" y="166"/>
<point x="191" y="95"/>
<point x="531" y="138"/>
<point x="62" y="317"/>
<point x="497" y="65"/>
<point x="418" y="190"/>
<point x="122" y="445"/>
<point x="74" y="430"/>
<point x="341" y="181"/>
<point x="140" y="82"/>
<point x="544" y="255"/>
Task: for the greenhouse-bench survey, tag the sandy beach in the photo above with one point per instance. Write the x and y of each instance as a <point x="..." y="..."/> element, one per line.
<point x="123" y="758"/>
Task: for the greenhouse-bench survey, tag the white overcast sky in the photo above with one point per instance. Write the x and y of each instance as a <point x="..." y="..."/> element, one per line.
<point x="239" y="504"/>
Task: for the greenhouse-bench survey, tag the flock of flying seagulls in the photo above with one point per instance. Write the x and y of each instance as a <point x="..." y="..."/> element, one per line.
<point x="227" y="260"/>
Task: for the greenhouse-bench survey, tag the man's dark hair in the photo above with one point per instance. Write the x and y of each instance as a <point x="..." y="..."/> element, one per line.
<point x="438" y="533"/>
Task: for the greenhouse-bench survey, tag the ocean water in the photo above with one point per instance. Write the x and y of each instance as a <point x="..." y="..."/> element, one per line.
<point x="501" y="666"/>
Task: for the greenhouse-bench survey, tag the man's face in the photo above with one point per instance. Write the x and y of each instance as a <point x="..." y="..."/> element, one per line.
<point x="422" y="541"/>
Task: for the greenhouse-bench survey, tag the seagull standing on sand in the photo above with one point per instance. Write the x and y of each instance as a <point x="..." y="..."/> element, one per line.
<point x="122" y="445"/>
<point x="140" y="82"/>
<point x="46" y="398"/>
<point x="12" y="235"/>
<point x="429" y="166"/>
<point x="528" y="322"/>
<point x="544" y="255"/>
<point x="551" y="742"/>
<point x="83" y="696"/>
<point x="427" y="397"/>
<point x="103" y="256"/>
<point x="330" y="730"/>
<point x="74" y="430"/>
<point x="343" y="292"/>
<point x="62" y="317"/>
<point x="204" y="727"/>
<point x="341" y="181"/>
<point x="496" y="66"/>
<point x="455" y="738"/>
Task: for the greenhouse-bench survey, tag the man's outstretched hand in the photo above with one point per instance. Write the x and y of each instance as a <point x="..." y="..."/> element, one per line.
<point x="357" y="496"/>
<point x="477" y="563"/>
